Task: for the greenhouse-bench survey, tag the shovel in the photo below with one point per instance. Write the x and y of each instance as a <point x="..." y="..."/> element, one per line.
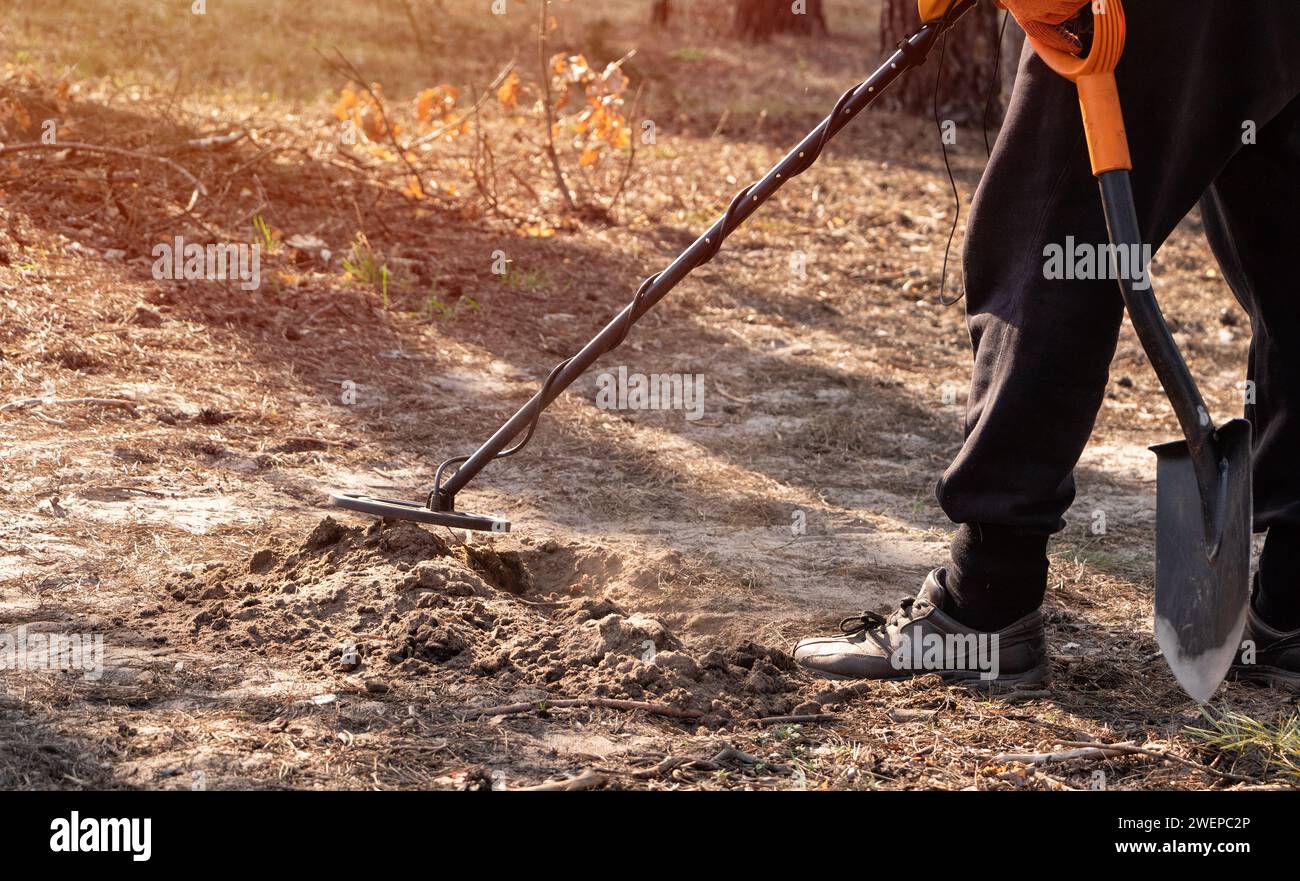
<point x="1203" y="483"/>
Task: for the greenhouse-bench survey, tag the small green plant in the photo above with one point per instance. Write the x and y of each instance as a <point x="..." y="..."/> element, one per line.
<point x="434" y="307"/>
<point x="530" y="281"/>
<point x="266" y="237"/>
<point x="1274" y="744"/>
<point x="366" y="265"/>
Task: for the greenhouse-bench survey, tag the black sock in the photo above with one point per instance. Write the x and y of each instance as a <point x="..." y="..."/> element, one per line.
<point x="998" y="574"/>
<point x="1278" y="601"/>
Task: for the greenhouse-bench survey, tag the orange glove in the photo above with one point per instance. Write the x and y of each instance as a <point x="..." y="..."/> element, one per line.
<point x="1042" y="20"/>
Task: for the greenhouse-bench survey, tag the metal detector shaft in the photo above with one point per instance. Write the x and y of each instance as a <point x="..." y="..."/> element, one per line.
<point x="911" y="53"/>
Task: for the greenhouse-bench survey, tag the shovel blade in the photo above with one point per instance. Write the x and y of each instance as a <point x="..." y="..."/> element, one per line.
<point x="1202" y="575"/>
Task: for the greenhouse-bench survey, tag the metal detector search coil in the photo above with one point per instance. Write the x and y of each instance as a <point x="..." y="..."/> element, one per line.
<point x="397" y="509"/>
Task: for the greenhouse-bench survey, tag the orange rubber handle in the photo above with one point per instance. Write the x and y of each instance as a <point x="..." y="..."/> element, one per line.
<point x="933" y="10"/>
<point x="1103" y="119"/>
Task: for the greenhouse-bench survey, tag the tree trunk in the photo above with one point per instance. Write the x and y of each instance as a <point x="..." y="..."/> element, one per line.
<point x="969" y="68"/>
<point x="760" y="19"/>
<point x="660" y="12"/>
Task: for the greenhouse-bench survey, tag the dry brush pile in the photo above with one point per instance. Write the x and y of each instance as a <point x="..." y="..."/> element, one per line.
<point x="115" y="170"/>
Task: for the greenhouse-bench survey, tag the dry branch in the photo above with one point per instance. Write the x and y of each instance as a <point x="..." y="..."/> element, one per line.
<point x="216" y="141"/>
<point x="717" y="763"/>
<point x="199" y="189"/>
<point x="29" y="403"/>
<point x="798" y="720"/>
<point x="1133" y="749"/>
<point x="350" y="70"/>
<point x="1088" y="753"/>
<point x="460" y="120"/>
<point x="606" y="702"/>
<point x="1084" y="750"/>
<point x="631" y="156"/>
<point x="546" y="104"/>
<point x="588" y="779"/>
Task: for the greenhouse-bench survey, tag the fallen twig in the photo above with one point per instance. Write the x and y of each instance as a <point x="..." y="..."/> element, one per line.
<point x="1086" y="753"/>
<point x="134" y="489"/>
<point x="1089" y="751"/>
<point x="1134" y="749"/>
<point x="29" y="403"/>
<point x="216" y="141"/>
<point x="667" y="764"/>
<point x="798" y="719"/>
<point x="199" y="189"/>
<point x="717" y="386"/>
<point x="727" y="754"/>
<point x="1261" y="787"/>
<point x="730" y="752"/>
<point x="588" y="779"/>
<point x="606" y="702"/>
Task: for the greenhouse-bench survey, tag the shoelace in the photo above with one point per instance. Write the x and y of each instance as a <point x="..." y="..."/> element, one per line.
<point x="867" y="621"/>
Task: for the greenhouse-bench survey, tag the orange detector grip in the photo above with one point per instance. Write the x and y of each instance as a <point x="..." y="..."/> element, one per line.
<point x="1103" y="119"/>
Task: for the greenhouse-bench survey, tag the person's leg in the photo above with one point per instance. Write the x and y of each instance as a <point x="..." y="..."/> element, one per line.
<point x="1251" y="223"/>
<point x="1191" y="74"/>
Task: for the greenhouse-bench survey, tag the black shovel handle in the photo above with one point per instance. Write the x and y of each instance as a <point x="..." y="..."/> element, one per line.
<point x="1158" y="343"/>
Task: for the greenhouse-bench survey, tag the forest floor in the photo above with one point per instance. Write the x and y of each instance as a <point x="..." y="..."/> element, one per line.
<point x="169" y="447"/>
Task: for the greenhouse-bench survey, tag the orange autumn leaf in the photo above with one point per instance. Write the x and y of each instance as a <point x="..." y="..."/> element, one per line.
<point x="11" y="108"/>
<point x="571" y="68"/>
<point x="436" y="104"/>
<point x="346" y="103"/>
<point x="412" y="189"/>
<point x="372" y="123"/>
<point x="508" y="94"/>
<point x="590" y="156"/>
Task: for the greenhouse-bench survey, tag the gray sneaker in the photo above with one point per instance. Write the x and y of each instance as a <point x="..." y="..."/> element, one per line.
<point x="919" y="638"/>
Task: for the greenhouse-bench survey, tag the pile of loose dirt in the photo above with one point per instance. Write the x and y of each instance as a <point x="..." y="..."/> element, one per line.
<point x="395" y="600"/>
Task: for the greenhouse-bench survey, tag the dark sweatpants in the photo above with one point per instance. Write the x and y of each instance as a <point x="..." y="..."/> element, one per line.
<point x="1192" y="76"/>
